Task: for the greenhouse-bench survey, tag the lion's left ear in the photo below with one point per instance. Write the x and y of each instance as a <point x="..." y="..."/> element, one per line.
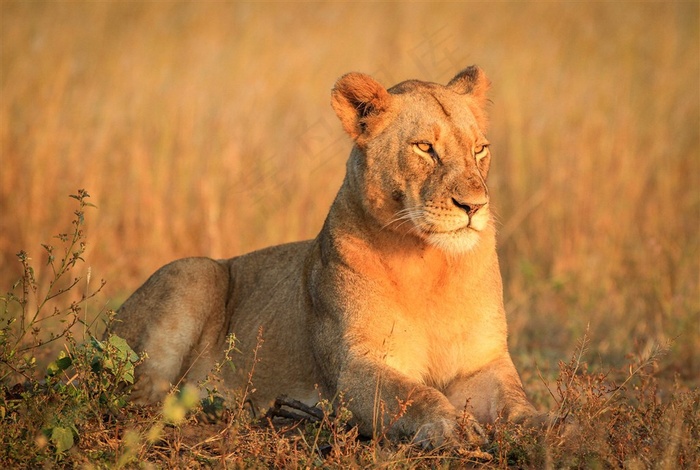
<point x="357" y="100"/>
<point x="472" y="81"/>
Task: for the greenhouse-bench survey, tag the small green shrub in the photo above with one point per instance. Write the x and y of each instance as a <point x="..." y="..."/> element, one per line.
<point x="43" y="408"/>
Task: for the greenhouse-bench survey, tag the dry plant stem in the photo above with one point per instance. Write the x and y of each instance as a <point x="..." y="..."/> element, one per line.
<point x="578" y="355"/>
<point x="85" y="303"/>
<point x="194" y="361"/>
<point x="378" y="410"/>
<point x="402" y="407"/>
<point x="15" y="370"/>
<point x="66" y="264"/>
<point x="230" y="348"/>
<point x="653" y="356"/>
<point x="68" y="261"/>
<point x="249" y="384"/>
<point x="67" y="327"/>
<point x="27" y="282"/>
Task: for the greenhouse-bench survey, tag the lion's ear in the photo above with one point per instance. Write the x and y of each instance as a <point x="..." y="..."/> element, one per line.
<point x="357" y="99"/>
<point x="471" y="81"/>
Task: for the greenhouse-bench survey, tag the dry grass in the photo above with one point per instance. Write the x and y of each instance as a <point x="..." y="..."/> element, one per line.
<point x="206" y="130"/>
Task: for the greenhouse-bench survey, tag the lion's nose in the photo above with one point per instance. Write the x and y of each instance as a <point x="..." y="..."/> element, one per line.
<point x="469" y="208"/>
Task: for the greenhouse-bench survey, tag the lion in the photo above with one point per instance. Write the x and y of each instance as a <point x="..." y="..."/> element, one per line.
<point x="396" y="305"/>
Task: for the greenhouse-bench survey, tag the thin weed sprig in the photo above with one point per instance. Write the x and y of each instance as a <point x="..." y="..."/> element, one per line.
<point x="23" y="310"/>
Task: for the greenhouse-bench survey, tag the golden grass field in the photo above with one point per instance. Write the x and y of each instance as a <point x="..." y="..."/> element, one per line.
<point x="206" y="129"/>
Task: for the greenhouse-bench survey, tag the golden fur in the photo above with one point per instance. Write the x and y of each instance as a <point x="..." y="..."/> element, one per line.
<point x="399" y="297"/>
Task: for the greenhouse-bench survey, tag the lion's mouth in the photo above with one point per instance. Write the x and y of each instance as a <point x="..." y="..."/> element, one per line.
<point x="431" y="229"/>
<point x="457" y="231"/>
<point x="456" y="240"/>
<point x="451" y="223"/>
<point x="443" y="227"/>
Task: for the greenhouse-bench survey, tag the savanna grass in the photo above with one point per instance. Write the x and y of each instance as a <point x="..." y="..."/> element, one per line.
<point x="206" y="130"/>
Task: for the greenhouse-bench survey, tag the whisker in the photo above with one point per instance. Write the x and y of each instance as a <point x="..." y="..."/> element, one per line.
<point x="403" y="216"/>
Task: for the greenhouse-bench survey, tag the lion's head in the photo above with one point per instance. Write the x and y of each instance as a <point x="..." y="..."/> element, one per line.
<point x="421" y="156"/>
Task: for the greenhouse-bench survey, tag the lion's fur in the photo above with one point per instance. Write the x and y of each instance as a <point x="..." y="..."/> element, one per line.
<point x="398" y="297"/>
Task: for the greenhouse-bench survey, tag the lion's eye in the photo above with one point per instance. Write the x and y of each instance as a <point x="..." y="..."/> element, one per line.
<point x="480" y="151"/>
<point x="425" y="150"/>
<point x="424" y="147"/>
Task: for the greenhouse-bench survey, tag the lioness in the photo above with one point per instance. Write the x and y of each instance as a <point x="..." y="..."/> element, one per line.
<point x="397" y="300"/>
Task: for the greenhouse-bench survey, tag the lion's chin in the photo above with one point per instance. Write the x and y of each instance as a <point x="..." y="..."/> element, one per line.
<point x="455" y="242"/>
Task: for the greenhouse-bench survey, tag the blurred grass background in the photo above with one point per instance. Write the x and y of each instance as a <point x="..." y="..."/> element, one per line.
<point x="206" y="129"/>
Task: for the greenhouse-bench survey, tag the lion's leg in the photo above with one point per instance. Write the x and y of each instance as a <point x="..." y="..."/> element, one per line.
<point x="374" y="390"/>
<point x="178" y="318"/>
<point x="495" y="390"/>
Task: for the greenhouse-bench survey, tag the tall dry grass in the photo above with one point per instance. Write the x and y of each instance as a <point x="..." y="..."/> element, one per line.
<point x="205" y="129"/>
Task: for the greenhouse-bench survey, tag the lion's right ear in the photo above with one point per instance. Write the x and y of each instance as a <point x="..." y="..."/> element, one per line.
<point x="357" y="99"/>
<point x="471" y="81"/>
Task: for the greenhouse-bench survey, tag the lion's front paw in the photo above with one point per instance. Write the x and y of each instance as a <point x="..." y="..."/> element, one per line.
<point x="436" y="434"/>
<point x="450" y="429"/>
<point x="451" y="432"/>
<point x="471" y="431"/>
<point x="149" y="390"/>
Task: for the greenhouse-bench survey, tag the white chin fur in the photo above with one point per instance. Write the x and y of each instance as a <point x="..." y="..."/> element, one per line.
<point x="457" y="242"/>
